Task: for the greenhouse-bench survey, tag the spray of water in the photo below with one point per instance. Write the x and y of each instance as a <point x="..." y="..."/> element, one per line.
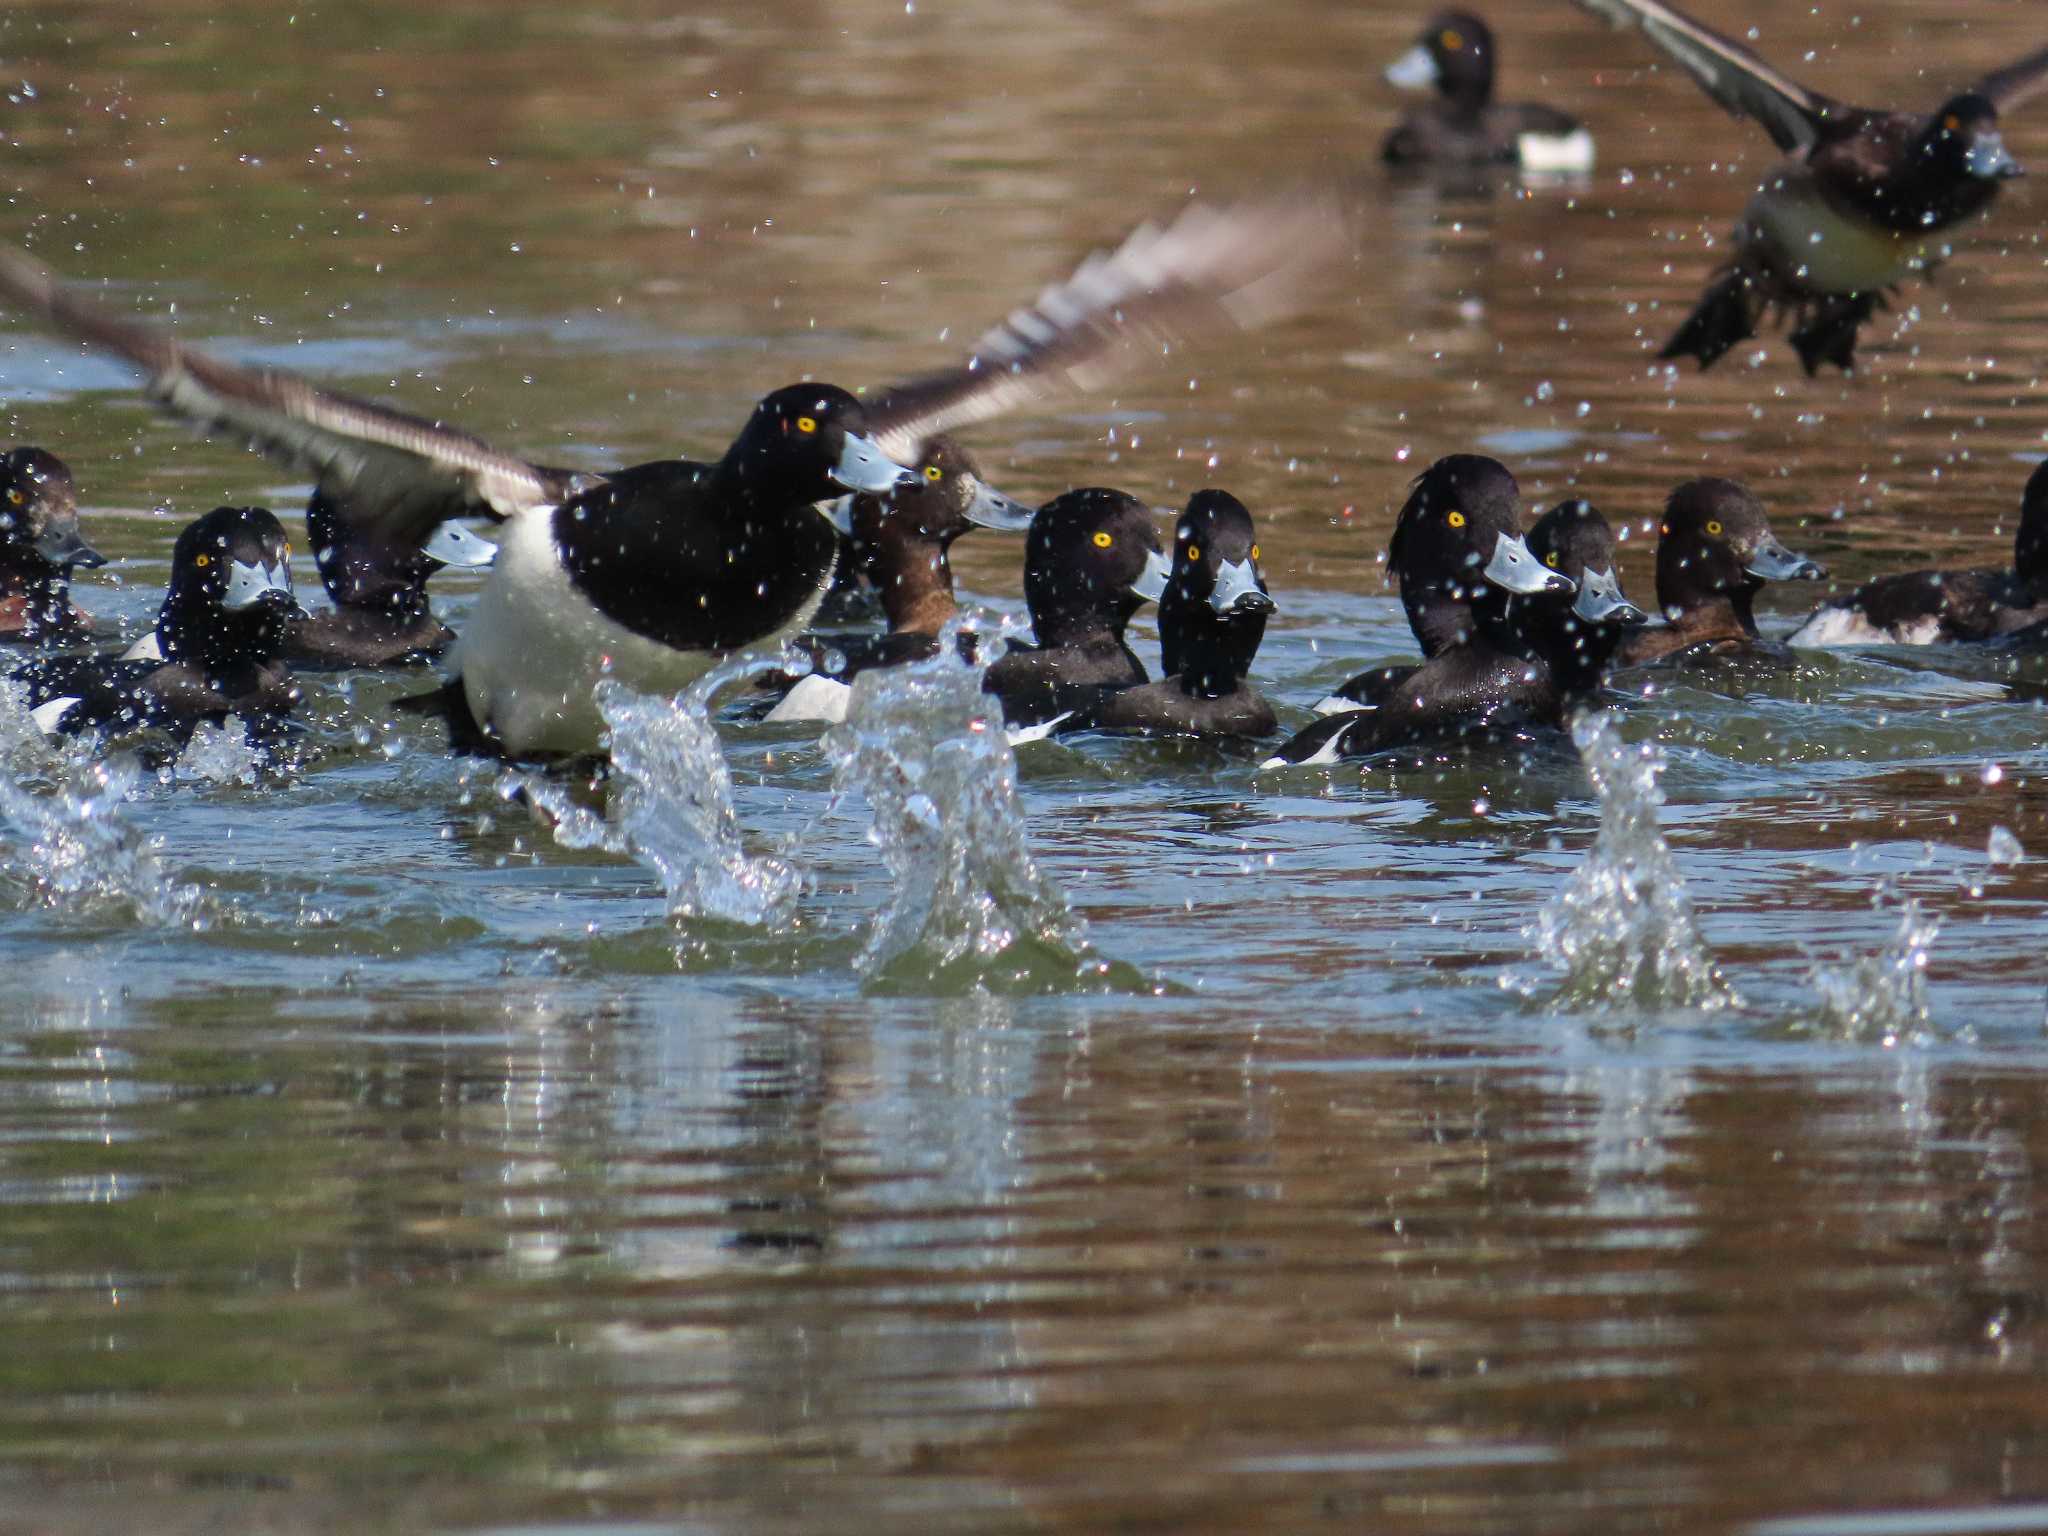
<point x="76" y="851"/>
<point x="924" y="747"/>
<point x="1882" y="997"/>
<point x="671" y="805"/>
<point x="1622" y="932"/>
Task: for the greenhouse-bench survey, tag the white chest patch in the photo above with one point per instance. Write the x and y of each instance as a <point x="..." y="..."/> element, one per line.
<point x="814" y="697"/>
<point x="536" y="647"/>
<point x="1555" y="154"/>
<point x="1850" y="626"/>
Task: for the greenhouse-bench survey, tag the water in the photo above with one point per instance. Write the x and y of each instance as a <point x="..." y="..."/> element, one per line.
<point x="892" y="1131"/>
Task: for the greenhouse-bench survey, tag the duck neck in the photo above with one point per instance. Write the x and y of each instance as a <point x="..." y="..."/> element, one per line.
<point x="915" y="579"/>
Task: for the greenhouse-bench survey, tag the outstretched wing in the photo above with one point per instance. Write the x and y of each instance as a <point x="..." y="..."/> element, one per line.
<point x="1210" y="270"/>
<point x="399" y="475"/>
<point x="2015" y="83"/>
<point x="1727" y="71"/>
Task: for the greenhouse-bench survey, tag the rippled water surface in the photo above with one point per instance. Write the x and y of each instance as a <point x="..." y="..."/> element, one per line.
<point x="885" y="1133"/>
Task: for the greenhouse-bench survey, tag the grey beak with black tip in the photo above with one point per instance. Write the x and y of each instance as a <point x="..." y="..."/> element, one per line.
<point x="454" y="544"/>
<point x="1774" y="562"/>
<point x="1989" y="160"/>
<point x="1150" y="583"/>
<point x="1600" y="600"/>
<point x="1514" y="569"/>
<point x="1237" y="590"/>
<point x="250" y="584"/>
<point x="63" y="548"/>
<point x="1415" y="70"/>
<point x="990" y="508"/>
<point x="863" y="466"/>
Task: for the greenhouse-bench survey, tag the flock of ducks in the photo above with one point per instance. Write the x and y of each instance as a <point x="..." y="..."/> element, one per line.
<point x="652" y="573"/>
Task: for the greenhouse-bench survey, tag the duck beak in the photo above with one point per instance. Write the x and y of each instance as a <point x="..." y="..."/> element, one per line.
<point x="1600" y="600"/>
<point x="990" y="508"/>
<point x="1150" y="583"/>
<point x="1415" y="70"/>
<point x="839" y="514"/>
<point x="1514" y="569"/>
<point x="453" y="544"/>
<point x="1989" y="160"/>
<point x="250" y="584"/>
<point x="64" y="549"/>
<point x="1772" y="561"/>
<point x="1237" y="590"/>
<point x="863" y="466"/>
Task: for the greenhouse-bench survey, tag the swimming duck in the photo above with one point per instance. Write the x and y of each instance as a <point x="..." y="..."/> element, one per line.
<point x="901" y="543"/>
<point x="1501" y="678"/>
<point x="1091" y="560"/>
<point x="1464" y="126"/>
<point x="1715" y="551"/>
<point x="1212" y="616"/>
<point x="1462" y="512"/>
<point x="221" y="631"/>
<point x="1578" y="635"/>
<point x="1920" y="607"/>
<point x="651" y="574"/>
<point x="1853" y="211"/>
<point x="40" y="546"/>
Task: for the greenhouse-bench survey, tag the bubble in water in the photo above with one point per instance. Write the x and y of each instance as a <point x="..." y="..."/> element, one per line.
<point x="1622" y="931"/>
<point x="925" y="747"/>
<point x="1882" y="997"/>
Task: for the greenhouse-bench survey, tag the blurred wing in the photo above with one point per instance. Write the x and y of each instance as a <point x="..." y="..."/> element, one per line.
<point x="2016" y="83"/>
<point x="1210" y="270"/>
<point x="399" y="474"/>
<point x="1727" y="71"/>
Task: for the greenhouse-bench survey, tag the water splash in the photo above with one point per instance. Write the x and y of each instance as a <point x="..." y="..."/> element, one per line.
<point x="1882" y="997"/>
<point x="671" y="804"/>
<point x="924" y="746"/>
<point x="1622" y="931"/>
<point x="75" y="851"/>
<point x="217" y="754"/>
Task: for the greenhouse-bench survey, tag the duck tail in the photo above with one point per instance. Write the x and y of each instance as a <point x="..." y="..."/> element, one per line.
<point x="1725" y="317"/>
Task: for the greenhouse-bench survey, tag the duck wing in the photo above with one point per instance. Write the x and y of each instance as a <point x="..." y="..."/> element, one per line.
<point x="1791" y="114"/>
<point x="399" y="475"/>
<point x="1211" y="270"/>
<point x="2017" y="82"/>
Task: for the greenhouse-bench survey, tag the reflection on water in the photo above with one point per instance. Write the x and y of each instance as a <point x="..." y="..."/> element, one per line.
<point x="1126" y="1141"/>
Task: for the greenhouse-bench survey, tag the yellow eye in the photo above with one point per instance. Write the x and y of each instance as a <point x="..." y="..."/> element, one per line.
<point x="202" y="561"/>
<point x="1103" y="541"/>
<point x="1663" y="529"/>
<point x="1452" y="41"/>
<point x="807" y="423"/>
<point x="933" y="473"/>
<point x="1713" y="530"/>
<point x="1457" y="519"/>
<point x="1951" y="122"/>
<point x="1255" y="551"/>
<point x="1551" y="560"/>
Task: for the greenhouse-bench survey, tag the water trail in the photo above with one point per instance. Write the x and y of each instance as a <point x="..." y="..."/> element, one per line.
<point x="1622" y="931"/>
<point x="75" y="851"/>
<point x="1882" y="997"/>
<point x="671" y="804"/>
<point x="924" y="746"/>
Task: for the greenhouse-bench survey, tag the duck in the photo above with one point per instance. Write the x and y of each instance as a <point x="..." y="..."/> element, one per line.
<point x="651" y="574"/>
<point x="221" y="631"/>
<point x="1504" y="677"/>
<point x="1212" y="616"/>
<point x="901" y="544"/>
<point x="40" y="546"/>
<point x="1579" y="636"/>
<point x="1464" y="127"/>
<point x="1462" y="512"/>
<point x="1922" y="607"/>
<point x="1715" y="552"/>
<point x="1091" y="560"/>
<point x="1859" y="204"/>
